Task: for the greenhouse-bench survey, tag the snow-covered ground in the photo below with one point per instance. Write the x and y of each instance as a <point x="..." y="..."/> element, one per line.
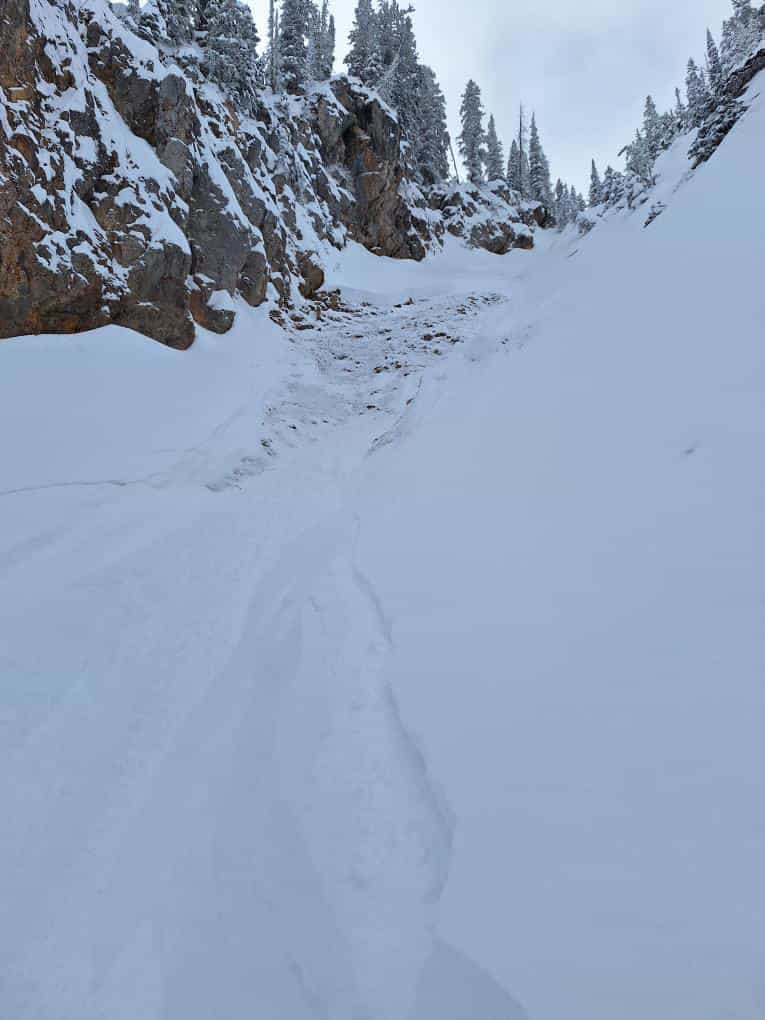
<point x="410" y="665"/>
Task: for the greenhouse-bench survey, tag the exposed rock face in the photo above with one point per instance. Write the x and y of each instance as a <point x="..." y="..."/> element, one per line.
<point x="132" y="191"/>
<point x="728" y="110"/>
<point x="362" y="138"/>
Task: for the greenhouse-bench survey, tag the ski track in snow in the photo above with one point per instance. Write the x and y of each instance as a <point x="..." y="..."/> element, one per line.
<point x="298" y="720"/>
<point x="479" y="542"/>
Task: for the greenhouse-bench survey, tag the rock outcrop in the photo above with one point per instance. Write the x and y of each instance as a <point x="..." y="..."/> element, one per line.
<point x="490" y="216"/>
<point x="133" y="191"/>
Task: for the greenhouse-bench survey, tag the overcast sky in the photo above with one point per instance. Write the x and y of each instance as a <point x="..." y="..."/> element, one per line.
<point x="584" y="66"/>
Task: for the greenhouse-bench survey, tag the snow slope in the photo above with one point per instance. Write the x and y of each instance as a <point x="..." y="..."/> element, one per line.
<point x="408" y="663"/>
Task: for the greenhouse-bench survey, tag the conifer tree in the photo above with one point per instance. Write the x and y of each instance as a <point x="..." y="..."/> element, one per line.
<point x="539" y="168"/>
<point x="363" y="60"/>
<point x="272" y="61"/>
<point x="472" y="137"/>
<point x="432" y="142"/>
<point x="639" y="160"/>
<point x="696" y="93"/>
<point x="519" y="170"/>
<point x="741" y="33"/>
<point x="326" y="55"/>
<point x="404" y="81"/>
<point x="231" y="42"/>
<point x="715" y="74"/>
<point x="595" y="185"/>
<point x="652" y="128"/>
<point x="495" y="158"/>
<point x="561" y="203"/>
<point x="293" y="57"/>
<point x="169" y="22"/>
<point x="514" y="167"/>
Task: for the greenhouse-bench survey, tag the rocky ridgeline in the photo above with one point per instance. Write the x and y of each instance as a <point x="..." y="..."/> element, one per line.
<point x="133" y="191"/>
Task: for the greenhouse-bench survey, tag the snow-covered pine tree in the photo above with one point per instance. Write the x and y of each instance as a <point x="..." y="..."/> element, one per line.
<point x="363" y="60"/>
<point x="696" y="93"/>
<point x="613" y="186"/>
<point x="560" y="207"/>
<point x="539" y="168"/>
<point x="514" y="167"/>
<point x="653" y="131"/>
<point x="679" y="114"/>
<point x="169" y="22"/>
<point x="231" y="41"/>
<point x="272" y="61"/>
<point x="639" y="160"/>
<point x="293" y="57"/>
<point x="741" y="34"/>
<point x="388" y="24"/>
<point x="518" y="169"/>
<point x="472" y="136"/>
<point x="596" y="186"/>
<point x="525" y="175"/>
<point x="313" y="42"/>
<point x="404" y="82"/>
<point x="495" y="158"/>
<point x="715" y="74"/>
<point x="325" y="49"/>
<point x="321" y="41"/>
<point x="432" y="143"/>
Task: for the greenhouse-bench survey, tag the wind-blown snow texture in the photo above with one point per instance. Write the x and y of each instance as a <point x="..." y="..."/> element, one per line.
<point x="407" y="663"/>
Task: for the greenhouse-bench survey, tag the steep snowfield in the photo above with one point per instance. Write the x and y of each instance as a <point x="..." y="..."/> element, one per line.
<point x="406" y="663"/>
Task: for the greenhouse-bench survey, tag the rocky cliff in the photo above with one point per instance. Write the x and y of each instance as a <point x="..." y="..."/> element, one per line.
<point x="133" y="191"/>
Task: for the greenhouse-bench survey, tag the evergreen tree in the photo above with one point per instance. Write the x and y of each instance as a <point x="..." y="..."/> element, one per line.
<point x="715" y="73"/>
<point x="404" y="81"/>
<point x="321" y="41"/>
<point x="652" y="128"/>
<point x="539" y="168"/>
<point x="696" y="94"/>
<point x="363" y="60"/>
<point x="327" y="64"/>
<point x="679" y="114"/>
<point x="525" y="175"/>
<point x="312" y="22"/>
<point x="169" y="22"/>
<point x="513" y="175"/>
<point x="272" y="61"/>
<point x="231" y="42"/>
<point x="741" y="33"/>
<point x="613" y="186"/>
<point x="388" y="25"/>
<point x="472" y="137"/>
<point x="518" y="168"/>
<point x="495" y="158"/>
<point x="561" y="203"/>
<point x="293" y="56"/>
<point x="596" y="187"/>
<point x="639" y="160"/>
<point x="432" y="142"/>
